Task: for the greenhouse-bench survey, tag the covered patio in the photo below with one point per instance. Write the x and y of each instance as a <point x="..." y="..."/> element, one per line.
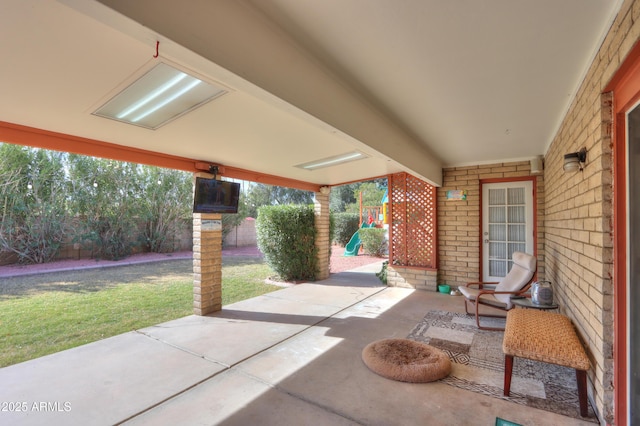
<point x="289" y="357"/>
<point x="461" y="96"/>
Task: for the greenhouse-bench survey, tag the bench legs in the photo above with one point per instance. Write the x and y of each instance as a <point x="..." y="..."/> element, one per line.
<point x="581" y="378"/>
<point x="508" y="367"/>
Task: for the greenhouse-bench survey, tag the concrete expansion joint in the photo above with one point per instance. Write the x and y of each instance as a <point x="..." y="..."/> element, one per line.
<point x="175" y="395"/>
<point x="180" y="348"/>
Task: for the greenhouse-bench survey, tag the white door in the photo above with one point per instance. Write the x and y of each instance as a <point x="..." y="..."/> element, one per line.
<point x="507" y="225"/>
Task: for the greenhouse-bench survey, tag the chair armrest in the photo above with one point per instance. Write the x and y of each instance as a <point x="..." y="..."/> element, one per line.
<point x="481" y="285"/>
<point x="515" y="293"/>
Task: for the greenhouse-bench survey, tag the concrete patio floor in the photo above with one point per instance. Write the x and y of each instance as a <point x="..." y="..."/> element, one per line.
<point x="291" y="357"/>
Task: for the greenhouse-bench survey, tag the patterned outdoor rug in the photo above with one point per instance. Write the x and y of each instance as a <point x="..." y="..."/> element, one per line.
<point x="478" y="365"/>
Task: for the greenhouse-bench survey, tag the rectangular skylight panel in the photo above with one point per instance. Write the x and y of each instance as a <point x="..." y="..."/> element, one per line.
<point x="333" y="161"/>
<point x="161" y="95"/>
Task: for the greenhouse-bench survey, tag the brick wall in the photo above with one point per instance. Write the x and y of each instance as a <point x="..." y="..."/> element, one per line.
<point x="323" y="242"/>
<point x="579" y="211"/>
<point x="459" y="224"/>
<point x="207" y="263"/>
<point x="418" y="278"/>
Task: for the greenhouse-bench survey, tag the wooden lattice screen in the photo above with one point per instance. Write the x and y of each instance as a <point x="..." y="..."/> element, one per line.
<point x="412" y="229"/>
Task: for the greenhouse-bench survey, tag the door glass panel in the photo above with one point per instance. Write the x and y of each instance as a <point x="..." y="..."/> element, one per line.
<point x="513" y="247"/>
<point x="498" y="268"/>
<point x="517" y="214"/>
<point x="497" y="251"/>
<point x="516" y="196"/>
<point x="496" y="197"/>
<point x="517" y="232"/>
<point x="497" y="215"/>
<point x="497" y="232"/>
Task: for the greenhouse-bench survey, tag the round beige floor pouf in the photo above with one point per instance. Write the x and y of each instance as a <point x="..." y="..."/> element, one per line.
<point x="406" y="360"/>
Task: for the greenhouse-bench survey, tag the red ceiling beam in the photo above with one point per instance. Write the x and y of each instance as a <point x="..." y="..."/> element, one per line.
<point x="30" y="136"/>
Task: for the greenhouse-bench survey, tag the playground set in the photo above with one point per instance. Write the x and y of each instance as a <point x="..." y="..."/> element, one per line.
<point x="371" y="212"/>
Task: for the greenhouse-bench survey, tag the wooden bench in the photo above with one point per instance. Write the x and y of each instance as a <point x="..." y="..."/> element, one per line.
<point x="547" y="337"/>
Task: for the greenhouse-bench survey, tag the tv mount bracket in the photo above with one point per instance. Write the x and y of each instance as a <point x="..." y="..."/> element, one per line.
<point x="214" y="171"/>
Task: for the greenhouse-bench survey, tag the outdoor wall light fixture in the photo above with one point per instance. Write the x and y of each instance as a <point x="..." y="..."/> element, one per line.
<point x="575" y="161"/>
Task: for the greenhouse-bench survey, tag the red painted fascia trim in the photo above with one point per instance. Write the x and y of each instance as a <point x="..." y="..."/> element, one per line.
<point x="30" y="136"/>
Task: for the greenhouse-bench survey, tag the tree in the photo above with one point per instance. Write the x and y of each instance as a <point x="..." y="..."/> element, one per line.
<point x="259" y="195"/>
<point x="346" y="198"/>
<point x="372" y="193"/>
<point x="341" y="196"/>
<point x="166" y="202"/>
<point x="33" y="193"/>
<point x="105" y="198"/>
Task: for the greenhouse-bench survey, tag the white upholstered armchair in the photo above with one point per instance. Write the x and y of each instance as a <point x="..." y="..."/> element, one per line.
<point x="498" y="295"/>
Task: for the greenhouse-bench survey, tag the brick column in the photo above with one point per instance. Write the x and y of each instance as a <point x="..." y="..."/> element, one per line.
<point x="323" y="242"/>
<point x="207" y="263"/>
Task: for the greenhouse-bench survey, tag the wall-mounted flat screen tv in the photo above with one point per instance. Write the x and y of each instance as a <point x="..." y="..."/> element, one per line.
<point x="215" y="196"/>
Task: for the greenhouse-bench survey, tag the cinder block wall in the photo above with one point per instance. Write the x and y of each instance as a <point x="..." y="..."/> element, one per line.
<point x="459" y="224"/>
<point x="243" y="235"/>
<point x="579" y="249"/>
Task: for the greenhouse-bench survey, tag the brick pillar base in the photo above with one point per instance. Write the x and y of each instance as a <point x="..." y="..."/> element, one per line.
<point x="323" y="242"/>
<point x="418" y="278"/>
<point x="207" y="263"/>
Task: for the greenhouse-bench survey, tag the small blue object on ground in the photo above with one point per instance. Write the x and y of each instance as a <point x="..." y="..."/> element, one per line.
<point x="503" y="422"/>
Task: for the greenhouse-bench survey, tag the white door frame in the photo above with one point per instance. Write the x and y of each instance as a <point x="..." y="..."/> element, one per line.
<point x="530" y="238"/>
<point x="631" y="275"/>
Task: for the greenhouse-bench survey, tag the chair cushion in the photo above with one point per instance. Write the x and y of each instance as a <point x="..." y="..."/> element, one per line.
<point x="524" y="266"/>
<point x="524" y="260"/>
<point x="487" y="299"/>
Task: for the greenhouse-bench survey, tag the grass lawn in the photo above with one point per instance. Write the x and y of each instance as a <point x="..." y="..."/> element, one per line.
<point x="47" y="313"/>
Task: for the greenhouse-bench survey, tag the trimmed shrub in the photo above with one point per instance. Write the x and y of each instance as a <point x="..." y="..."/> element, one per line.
<point x="286" y="235"/>
<point x="346" y="224"/>
<point x="373" y="241"/>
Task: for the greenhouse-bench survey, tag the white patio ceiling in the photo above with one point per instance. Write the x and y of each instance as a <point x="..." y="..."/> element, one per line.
<point x="414" y="84"/>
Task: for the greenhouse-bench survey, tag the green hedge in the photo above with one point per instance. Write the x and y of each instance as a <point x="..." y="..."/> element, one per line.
<point x="286" y="235"/>
<point x="346" y="224"/>
<point x="373" y="241"/>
